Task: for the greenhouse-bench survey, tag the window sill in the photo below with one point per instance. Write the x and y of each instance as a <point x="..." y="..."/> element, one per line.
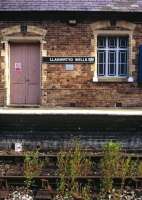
<point x="113" y="79"/>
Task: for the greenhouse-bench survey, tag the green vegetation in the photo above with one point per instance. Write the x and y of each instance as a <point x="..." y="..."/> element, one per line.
<point x="75" y="162"/>
<point x="71" y="164"/>
<point x="115" y="164"/>
<point x="32" y="166"/>
<point x="109" y="164"/>
<point x="139" y="170"/>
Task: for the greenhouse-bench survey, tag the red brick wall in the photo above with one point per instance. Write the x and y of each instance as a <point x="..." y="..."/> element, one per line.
<point x="76" y="88"/>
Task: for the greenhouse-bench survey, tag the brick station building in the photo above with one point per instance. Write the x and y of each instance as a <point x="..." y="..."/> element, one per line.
<point x="56" y="55"/>
<point x="34" y="32"/>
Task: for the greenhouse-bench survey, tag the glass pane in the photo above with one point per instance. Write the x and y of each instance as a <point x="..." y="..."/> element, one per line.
<point x="123" y="56"/>
<point x="112" y="42"/>
<point x="101" y="70"/>
<point x="123" y="63"/>
<point x="112" y="57"/>
<point x="123" y="42"/>
<point x="101" y="63"/>
<point x="101" y="42"/>
<point x="112" y="70"/>
<point x="111" y="63"/>
<point x="101" y="56"/>
<point x="122" y="69"/>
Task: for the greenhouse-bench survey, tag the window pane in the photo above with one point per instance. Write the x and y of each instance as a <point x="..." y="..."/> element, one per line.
<point x="123" y="42"/>
<point x="111" y="63"/>
<point x="123" y="56"/>
<point x="112" y="42"/>
<point x="101" y="63"/>
<point x="101" y="69"/>
<point x="122" y="69"/>
<point x="123" y="63"/>
<point x="101" y="42"/>
<point x="101" y="56"/>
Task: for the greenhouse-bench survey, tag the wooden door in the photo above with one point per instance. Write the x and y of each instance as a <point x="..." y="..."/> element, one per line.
<point x="24" y="73"/>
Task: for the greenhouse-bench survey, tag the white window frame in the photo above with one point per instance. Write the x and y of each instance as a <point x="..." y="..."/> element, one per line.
<point x="115" y="50"/>
<point x="128" y="33"/>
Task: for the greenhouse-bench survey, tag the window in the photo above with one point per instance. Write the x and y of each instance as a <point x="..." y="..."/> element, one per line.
<point x="112" y="56"/>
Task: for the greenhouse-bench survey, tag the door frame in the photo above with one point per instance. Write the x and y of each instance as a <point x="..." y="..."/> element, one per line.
<point x="7" y="62"/>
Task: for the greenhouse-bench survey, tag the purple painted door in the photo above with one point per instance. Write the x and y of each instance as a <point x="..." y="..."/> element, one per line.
<point x="24" y="73"/>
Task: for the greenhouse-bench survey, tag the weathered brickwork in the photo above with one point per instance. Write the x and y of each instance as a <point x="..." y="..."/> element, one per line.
<point x="76" y="88"/>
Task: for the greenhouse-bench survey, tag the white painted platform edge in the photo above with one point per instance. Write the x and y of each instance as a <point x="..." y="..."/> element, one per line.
<point x="39" y="111"/>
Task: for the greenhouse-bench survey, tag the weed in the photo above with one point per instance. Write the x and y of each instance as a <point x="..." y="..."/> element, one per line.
<point x="32" y="166"/>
